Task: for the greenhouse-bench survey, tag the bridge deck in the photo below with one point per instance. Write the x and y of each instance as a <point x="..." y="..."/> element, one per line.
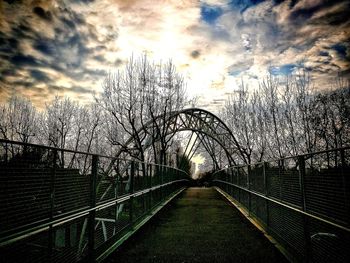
<point x="199" y="226"/>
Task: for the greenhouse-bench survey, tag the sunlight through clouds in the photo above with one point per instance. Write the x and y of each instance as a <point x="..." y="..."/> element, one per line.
<point x="69" y="46"/>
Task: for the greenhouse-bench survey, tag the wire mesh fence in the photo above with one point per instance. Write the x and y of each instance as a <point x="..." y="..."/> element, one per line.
<point x="302" y="201"/>
<point x="65" y="206"/>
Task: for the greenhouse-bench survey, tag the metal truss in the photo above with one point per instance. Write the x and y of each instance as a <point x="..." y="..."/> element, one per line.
<point x="203" y="123"/>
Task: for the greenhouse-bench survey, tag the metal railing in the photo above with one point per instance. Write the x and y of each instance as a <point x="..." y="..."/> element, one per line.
<point x="59" y="205"/>
<point x="302" y="202"/>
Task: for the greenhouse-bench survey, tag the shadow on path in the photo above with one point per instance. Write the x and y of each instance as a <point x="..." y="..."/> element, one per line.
<point x="198" y="226"/>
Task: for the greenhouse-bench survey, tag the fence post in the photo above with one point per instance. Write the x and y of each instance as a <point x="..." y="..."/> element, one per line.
<point x="160" y="183"/>
<point x="151" y="173"/>
<point x="92" y="213"/>
<point x="302" y="172"/>
<point x="167" y="180"/>
<point x="149" y="170"/>
<point x="266" y="192"/>
<point x="238" y="183"/>
<point x="116" y="194"/>
<point x="280" y="168"/>
<point x="266" y="187"/>
<point x="232" y="181"/>
<point x="52" y="202"/>
<point x="131" y="191"/>
<point x="248" y="187"/>
<point x="346" y="186"/>
<point x="117" y="178"/>
<point x="6" y="153"/>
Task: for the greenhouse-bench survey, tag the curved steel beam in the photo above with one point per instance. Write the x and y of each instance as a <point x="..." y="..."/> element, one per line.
<point x="197" y="120"/>
<point x="194" y="119"/>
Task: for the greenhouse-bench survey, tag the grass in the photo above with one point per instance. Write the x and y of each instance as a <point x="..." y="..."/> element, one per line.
<point x="199" y="226"/>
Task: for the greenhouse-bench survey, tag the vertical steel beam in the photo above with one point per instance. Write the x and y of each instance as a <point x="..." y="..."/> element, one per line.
<point x="52" y="202"/>
<point x="149" y="185"/>
<point x="6" y="153"/>
<point x="266" y="191"/>
<point x="238" y="183"/>
<point x="92" y="213"/>
<point x="346" y="186"/>
<point x="116" y="194"/>
<point x="280" y="179"/>
<point x="248" y="186"/>
<point x="131" y="191"/>
<point x="302" y="173"/>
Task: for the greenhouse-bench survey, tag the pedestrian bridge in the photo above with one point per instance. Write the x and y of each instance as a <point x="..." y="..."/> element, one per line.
<point x="59" y="205"/>
<point x="199" y="225"/>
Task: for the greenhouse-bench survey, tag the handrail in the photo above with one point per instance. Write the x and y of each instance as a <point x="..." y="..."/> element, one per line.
<point x="89" y="214"/>
<point x="84" y="153"/>
<point x="286" y="158"/>
<point x="287" y="206"/>
<point x="305" y="210"/>
<point x="62" y="219"/>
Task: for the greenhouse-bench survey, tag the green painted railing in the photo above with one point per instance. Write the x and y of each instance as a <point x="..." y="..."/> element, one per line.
<point x="302" y="202"/>
<point x="60" y="205"/>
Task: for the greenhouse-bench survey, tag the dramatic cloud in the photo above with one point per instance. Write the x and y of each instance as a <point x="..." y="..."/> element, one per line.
<point x="66" y="47"/>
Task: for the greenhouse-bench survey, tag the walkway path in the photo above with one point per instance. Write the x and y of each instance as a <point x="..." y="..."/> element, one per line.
<point x="198" y="226"/>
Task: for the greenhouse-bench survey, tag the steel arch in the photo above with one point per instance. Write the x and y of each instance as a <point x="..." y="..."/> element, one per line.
<point x="193" y="119"/>
<point x="196" y="120"/>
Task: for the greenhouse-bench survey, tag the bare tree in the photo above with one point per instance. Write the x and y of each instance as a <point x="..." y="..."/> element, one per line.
<point x="240" y="121"/>
<point x="259" y="113"/>
<point x="330" y="116"/>
<point x="321" y="120"/>
<point x="59" y="124"/>
<point x="269" y="89"/>
<point x="18" y="120"/>
<point x="122" y="98"/>
<point x="304" y="96"/>
<point x="165" y="97"/>
<point x="140" y="99"/>
<point x="246" y="116"/>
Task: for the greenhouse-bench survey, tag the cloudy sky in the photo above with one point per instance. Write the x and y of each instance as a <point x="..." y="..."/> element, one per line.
<point x="66" y="47"/>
